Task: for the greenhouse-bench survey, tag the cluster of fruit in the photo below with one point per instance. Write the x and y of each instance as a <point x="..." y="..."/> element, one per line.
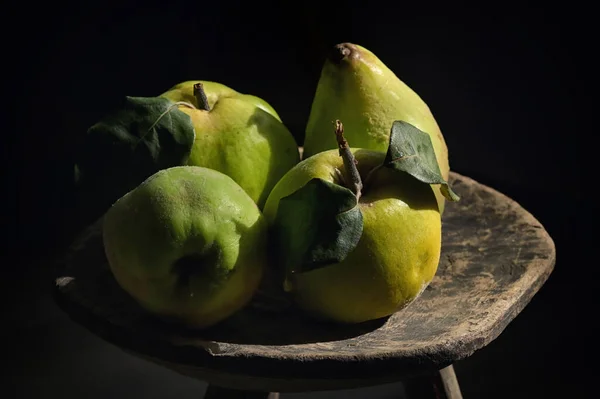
<point x="213" y="191"/>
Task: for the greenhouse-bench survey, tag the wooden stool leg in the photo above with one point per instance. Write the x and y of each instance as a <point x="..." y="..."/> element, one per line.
<point x="440" y="385"/>
<point x="215" y="392"/>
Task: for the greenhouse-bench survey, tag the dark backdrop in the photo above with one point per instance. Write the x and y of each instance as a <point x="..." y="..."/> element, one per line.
<point x="511" y="90"/>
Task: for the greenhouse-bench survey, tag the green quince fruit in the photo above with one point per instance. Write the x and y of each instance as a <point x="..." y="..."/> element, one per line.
<point x="359" y="235"/>
<point x="237" y="134"/>
<point x="188" y="244"/>
<point x="358" y="88"/>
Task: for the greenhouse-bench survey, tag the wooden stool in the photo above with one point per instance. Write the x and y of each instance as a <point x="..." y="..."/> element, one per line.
<point x="495" y="257"/>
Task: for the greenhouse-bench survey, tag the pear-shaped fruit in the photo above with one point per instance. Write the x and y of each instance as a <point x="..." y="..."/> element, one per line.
<point x="398" y="251"/>
<point x="188" y="244"/>
<point x="237" y="134"/>
<point x="358" y="88"/>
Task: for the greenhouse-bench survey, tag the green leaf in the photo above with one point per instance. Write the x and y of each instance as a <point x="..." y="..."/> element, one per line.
<point x="143" y="136"/>
<point x="411" y="151"/>
<point x="317" y="225"/>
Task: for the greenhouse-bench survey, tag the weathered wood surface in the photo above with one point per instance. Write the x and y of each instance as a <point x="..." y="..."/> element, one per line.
<point x="495" y="257"/>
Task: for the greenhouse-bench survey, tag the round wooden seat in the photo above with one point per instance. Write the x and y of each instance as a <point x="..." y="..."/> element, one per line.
<point x="495" y="257"/>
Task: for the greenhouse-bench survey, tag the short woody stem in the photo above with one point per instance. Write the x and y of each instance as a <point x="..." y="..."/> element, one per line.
<point x="349" y="160"/>
<point x="201" y="97"/>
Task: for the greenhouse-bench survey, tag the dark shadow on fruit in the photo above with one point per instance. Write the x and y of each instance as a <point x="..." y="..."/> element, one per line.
<point x="195" y="265"/>
<point x="416" y="194"/>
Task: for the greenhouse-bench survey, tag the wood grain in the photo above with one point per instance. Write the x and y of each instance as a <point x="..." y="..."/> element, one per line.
<point x="495" y="257"/>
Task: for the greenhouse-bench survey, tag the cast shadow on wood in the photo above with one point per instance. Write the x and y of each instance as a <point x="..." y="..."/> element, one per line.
<point x="253" y="325"/>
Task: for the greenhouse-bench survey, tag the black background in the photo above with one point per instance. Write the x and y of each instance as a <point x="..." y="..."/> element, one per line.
<point x="510" y="88"/>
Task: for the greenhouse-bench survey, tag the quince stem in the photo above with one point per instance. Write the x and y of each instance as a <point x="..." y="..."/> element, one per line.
<point x="201" y="97"/>
<point x="349" y="161"/>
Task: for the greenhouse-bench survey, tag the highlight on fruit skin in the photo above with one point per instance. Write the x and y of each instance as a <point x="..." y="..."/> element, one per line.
<point x="356" y="87"/>
<point x="188" y="245"/>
